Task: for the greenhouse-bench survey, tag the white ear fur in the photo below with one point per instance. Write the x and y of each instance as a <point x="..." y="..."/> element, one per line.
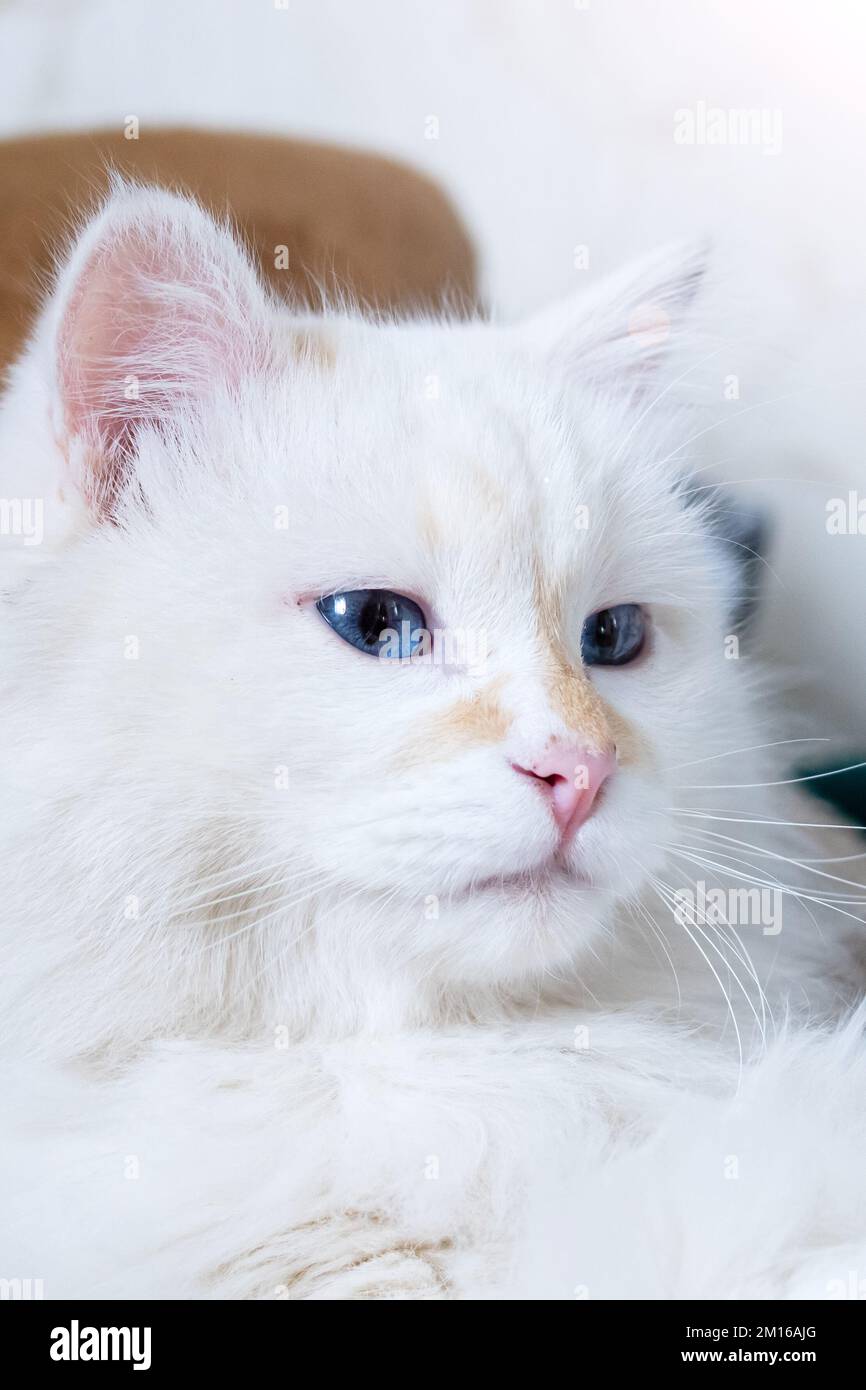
<point x="616" y="334"/>
<point x="155" y="304"/>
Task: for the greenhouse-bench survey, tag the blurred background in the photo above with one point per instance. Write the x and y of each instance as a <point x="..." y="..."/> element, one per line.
<point x="573" y="134"/>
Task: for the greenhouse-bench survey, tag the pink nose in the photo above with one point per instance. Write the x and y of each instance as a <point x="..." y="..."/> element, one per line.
<point x="573" y="778"/>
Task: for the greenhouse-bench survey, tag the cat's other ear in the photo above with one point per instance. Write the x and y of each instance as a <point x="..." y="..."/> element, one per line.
<point x="616" y="335"/>
<point x="155" y="305"/>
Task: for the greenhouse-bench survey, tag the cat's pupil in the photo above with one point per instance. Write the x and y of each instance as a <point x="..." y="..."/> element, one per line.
<point x="375" y="616"/>
<point x="605" y="629"/>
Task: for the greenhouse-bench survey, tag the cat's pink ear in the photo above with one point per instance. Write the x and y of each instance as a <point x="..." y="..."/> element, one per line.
<point x="616" y="334"/>
<point x="156" y="305"/>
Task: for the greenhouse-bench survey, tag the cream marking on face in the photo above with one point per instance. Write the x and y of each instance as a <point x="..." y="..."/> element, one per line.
<point x="464" y="500"/>
<point x="490" y="493"/>
<point x="572" y="694"/>
<point x="478" y="719"/>
<point x="429" y="529"/>
<point x="314" y="349"/>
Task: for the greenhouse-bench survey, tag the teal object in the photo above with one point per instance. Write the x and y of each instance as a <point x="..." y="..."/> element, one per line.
<point x="845" y="791"/>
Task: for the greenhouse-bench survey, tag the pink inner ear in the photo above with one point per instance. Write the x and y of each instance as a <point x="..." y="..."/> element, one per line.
<point x="161" y="309"/>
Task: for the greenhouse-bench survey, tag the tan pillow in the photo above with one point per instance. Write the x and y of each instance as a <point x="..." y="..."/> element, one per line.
<point x="347" y="218"/>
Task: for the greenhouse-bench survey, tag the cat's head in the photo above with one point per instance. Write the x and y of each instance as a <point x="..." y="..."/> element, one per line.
<point x="409" y="621"/>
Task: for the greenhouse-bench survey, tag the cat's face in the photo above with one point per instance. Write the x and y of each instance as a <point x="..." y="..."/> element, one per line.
<point x="280" y="511"/>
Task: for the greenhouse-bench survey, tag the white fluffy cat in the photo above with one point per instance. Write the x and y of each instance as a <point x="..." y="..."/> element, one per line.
<point x="334" y="973"/>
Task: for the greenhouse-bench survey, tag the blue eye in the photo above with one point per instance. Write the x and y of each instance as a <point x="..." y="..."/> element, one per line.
<point x="613" y="636"/>
<point x="376" y="621"/>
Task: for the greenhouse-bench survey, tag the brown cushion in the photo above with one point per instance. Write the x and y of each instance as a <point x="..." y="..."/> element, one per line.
<point x="349" y="219"/>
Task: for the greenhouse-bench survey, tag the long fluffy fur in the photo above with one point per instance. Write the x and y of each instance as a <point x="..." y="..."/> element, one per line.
<point x="284" y="1023"/>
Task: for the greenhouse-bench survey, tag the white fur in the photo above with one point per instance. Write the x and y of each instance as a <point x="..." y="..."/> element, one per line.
<point x="297" y="1040"/>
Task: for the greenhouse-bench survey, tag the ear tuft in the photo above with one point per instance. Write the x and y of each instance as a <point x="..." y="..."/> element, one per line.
<point x="156" y="304"/>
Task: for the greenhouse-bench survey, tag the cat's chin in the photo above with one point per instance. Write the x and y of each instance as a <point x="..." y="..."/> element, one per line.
<point x="540" y="881"/>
